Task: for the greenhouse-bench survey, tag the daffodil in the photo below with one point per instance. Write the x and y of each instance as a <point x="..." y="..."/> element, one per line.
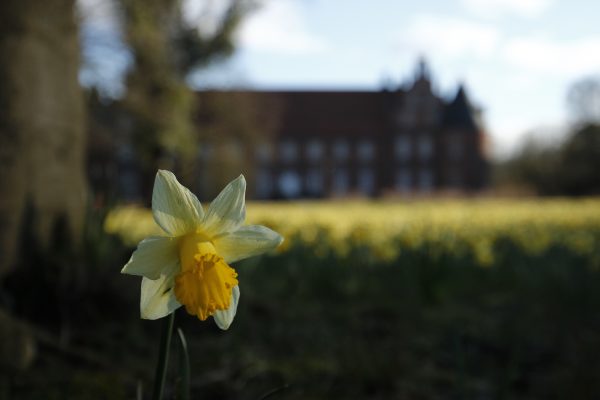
<point x="190" y="266"/>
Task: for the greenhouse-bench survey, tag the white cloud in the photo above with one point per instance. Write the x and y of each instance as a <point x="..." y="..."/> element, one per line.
<point x="493" y="8"/>
<point x="279" y="27"/>
<point x="563" y="58"/>
<point x="468" y="44"/>
<point x="448" y="37"/>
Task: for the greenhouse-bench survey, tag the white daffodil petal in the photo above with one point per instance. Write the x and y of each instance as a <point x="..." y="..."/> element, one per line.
<point x="228" y="210"/>
<point x="152" y="256"/>
<point x="224" y="318"/>
<point x="248" y="241"/>
<point x="176" y="210"/>
<point x="157" y="297"/>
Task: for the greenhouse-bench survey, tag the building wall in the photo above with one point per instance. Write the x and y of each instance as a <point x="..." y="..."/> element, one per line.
<point x="408" y="150"/>
<point x="316" y="144"/>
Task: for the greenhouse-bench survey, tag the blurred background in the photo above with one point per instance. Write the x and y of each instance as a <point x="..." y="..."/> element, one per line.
<point x="433" y="167"/>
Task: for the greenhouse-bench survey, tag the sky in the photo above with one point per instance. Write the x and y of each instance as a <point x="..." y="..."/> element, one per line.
<point x="516" y="58"/>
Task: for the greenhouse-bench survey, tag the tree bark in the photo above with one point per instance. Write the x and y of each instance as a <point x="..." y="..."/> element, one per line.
<point x="42" y="124"/>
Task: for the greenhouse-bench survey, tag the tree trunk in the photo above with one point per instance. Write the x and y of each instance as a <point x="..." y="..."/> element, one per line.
<point x="42" y="124"/>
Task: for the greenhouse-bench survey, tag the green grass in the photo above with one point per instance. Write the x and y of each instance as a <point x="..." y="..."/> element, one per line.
<point x="433" y="321"/>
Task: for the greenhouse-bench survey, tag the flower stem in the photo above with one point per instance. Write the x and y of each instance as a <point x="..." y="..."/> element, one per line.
<point x="184" y="361"/>
<point x="163" y="358"/>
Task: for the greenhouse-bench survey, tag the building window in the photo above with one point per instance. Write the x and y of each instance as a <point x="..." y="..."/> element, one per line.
<point x="233" y="150"/>
<point x="341" y="181"/>
<point x="125" y="153"/>
<point x="289" y="184"/>
<point x="402" y="147"/>
<point x="453" y="177"/>
<point x="207" y="151"/>
<point x="366" y="150"/>
<point x="129" y="184"/>
<point x="403" y="180"/>
<point x="406" y="117"/>
<point x="425" y="147"/>
<point x="264" y="184"/>
<point x="263" y="152"/>
<point x="96" y="171"/>
<point x="455" y="149"/>
<point x="366" y="181"/>
<point x="341" y="150"/>
<point x="314" y="150"/>
<point x="289" y="151"/>
<point x="425" y="179"/>
<point x="314" y="182"/>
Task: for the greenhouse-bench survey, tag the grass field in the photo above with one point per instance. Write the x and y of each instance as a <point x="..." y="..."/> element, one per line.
<point x="457" y="299"/>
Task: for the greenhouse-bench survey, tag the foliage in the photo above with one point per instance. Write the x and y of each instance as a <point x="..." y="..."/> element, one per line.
<point x="570" y="166"/>
<point x="580" y="161"/>
<point x="166" y="49"/>
<point x="583" y="100"/>
<point x="566" y="169"/>
<point x="461" y="299"/>
<point x="451" y="299"/>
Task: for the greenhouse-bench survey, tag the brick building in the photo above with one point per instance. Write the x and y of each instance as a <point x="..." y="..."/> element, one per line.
<point x="310" y="144"/>
<point x="406" y="140"/>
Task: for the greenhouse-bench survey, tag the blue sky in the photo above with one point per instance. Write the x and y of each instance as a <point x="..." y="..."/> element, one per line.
<point x="517" y="58"/>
